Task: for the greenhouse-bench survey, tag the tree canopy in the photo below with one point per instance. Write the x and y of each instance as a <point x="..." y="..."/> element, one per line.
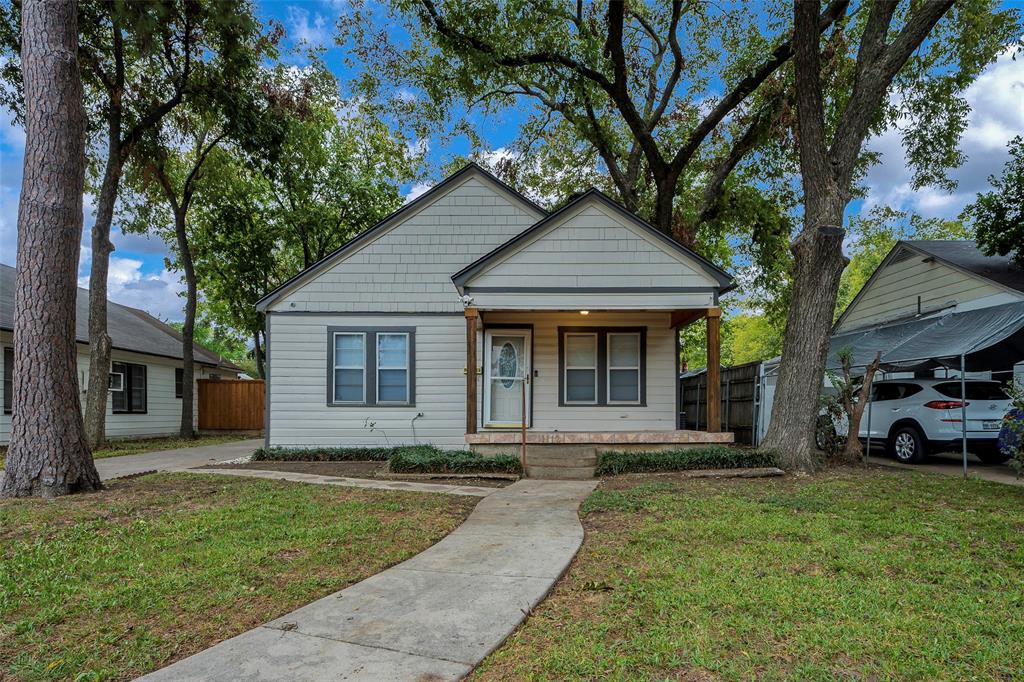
<point x="998" y="215"/>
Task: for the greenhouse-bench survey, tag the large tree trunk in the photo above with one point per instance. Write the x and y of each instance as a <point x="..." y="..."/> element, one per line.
<point x="99" y="340"/>
<point x="257" y="346"/>
<point x="48" y="454"/>
<point x="818" y="265"/>
<point x="187" y="429"/>
<point x="852" y="452"/>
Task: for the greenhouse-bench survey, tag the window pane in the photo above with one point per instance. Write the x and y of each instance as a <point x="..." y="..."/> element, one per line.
<point x="624" y="385"/>
<point x="119" y="399"/>
<point x="138" y="388"/>
<point x="624" y="350"/>
<point x="580" y="385"/>
<point x="392" y="350"/>
<point x="179" y="382"/>
<point x="580" y="350"/>
<point x="349" y="350"/>
<point x="391" y="386"/>
<point x="348" y="385"/>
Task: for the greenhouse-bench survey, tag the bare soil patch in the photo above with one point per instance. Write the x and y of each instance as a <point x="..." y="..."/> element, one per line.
<point x="361" y="469"/>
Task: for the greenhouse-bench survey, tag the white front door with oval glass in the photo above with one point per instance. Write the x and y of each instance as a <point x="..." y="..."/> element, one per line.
<point x="506" y="370"/>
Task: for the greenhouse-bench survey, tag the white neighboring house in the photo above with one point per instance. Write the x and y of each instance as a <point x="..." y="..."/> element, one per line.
<point x="574" y="314"/>
<point x="146" y="366"/>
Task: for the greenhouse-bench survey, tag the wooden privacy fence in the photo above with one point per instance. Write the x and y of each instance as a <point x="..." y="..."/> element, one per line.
<point x="230" y="404"/>
<point x="739" y="396"/>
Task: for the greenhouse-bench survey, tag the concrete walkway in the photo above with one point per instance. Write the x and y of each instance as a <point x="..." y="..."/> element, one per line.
<point x="175" y="460"/>
<point x="432" y="617"/>
<point x="375" y="484"/>
<point x="951" y="464"/>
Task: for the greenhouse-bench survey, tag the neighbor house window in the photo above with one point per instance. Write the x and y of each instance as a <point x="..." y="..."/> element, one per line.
<point x="602" y="366"/>
<point x="371" y="366"/>
<point x="179" y="382"/>
<point x="580" y="369"/>
<point x="8" y="380"/>
<point x="130" y="397"/>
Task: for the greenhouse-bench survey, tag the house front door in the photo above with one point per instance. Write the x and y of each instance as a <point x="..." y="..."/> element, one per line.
<point x="506" y="372"/>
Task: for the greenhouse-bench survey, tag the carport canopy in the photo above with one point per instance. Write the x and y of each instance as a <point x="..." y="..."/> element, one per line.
<point x="988" y="339"/>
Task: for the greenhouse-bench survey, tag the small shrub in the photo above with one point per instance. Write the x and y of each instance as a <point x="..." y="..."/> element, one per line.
<point x="711" y="457"/>
<point x="322" y="454"/>
<point x="426" y="459"/>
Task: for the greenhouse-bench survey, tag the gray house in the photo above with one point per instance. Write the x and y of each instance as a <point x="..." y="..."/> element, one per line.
<point x="146" y="367"/>
<point x="471" y="312"/>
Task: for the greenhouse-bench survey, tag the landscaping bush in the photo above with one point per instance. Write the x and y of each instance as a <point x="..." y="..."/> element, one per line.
<point x="430" y="460"/>
<point x="711" y="457"/>
<point x="323" y="454"/>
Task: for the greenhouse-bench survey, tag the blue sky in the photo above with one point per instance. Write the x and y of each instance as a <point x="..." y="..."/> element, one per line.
<point x="138" y="277"/>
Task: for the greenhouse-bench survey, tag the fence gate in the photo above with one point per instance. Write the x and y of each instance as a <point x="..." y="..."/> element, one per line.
<point x="739" y="401"/>
<point x="230" y="404"/>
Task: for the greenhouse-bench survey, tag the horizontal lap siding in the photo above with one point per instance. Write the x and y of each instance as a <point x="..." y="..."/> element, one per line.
<point x="893" y="294"/>
<point x="163" y="415"/>
<point x="660" y="411"/>
<point x="409" y="268"/>
<point x="300" y="416"/>
<point x="592" y="249"/>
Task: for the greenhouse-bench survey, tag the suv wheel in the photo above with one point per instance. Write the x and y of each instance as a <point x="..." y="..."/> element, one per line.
<point x="907" y="445"/>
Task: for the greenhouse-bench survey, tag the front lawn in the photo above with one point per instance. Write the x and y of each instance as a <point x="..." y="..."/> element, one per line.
<point x="111" y="585"/>
<point x="137" y="446"/>
<point x="853" y="574"/>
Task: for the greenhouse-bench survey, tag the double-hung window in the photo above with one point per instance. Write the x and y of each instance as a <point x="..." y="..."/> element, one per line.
<point x="128" y="394"/>
<point x="371" y="366"/>
<point x="179" y="382"/>
<point x="602" y="365"/>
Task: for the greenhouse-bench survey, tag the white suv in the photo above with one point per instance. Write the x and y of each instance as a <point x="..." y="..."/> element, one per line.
<point x="912" y="417"/>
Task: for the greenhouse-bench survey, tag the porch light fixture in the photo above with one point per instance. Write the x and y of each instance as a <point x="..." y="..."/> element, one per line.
<point x="584" y="312"/>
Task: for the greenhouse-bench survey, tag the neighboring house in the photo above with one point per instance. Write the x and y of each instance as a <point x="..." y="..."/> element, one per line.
<point x="371" y="345"/>
<point x="146" y="367"/>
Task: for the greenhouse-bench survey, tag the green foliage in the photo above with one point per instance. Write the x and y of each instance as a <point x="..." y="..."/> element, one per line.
<point x="1012" y="442"/>
<point x="224" y="341"/>
<point x="998" y="215"/>
<point x="426" y="459"/>
<point x="710" y="457"/>
<point x="319" y="454"/>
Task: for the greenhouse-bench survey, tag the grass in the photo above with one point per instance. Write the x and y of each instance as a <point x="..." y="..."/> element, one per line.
<point x="111" y="585"/>
<point x="854" y="574"/>
<point x="137" y="446"/>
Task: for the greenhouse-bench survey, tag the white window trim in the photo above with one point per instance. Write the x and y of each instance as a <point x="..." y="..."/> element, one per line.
<point x="379" y="368"/>
<point x="608" y="370"/>
<point x="120" y="385"/>
<point x="567" y="367"/>
<point x="334" y="374"/>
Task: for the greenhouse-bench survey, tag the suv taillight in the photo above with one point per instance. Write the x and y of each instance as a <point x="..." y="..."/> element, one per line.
<point x="945" y="404"/>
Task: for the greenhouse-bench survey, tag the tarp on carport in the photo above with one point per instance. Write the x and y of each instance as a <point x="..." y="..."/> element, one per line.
<point x="988" y="338"/>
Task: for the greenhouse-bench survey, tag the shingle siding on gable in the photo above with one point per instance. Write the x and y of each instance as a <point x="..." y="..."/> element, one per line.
<point x="591" y="249"/>
<point x="893" y="294"/>
<point x="409" y="268"/>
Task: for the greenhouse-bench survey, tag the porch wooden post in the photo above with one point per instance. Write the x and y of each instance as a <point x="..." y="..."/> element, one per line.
<point x="714" y="369"/>
<point x="472" y="315"/>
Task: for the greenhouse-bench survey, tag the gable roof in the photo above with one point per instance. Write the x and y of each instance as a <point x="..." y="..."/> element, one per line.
<point x="381" y="227"/>
<point x="130" y="329"/>
<point x="724" y="279"/>
<point x="966" y="255"/>
<point x="960" y="254"/>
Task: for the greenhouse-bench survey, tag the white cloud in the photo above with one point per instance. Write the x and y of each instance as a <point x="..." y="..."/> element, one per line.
<point x="312" y="29"/>
<point x="996" y="99"/>
<point x="158" y="293"/>
<point x="417" y="189"/>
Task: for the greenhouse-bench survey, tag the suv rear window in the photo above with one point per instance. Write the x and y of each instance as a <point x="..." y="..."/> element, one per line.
<point x="893" y="391"/>
<point x="976" y="390"/>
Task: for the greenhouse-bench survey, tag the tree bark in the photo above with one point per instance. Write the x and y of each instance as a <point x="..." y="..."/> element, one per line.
<point x="852" y="452"/>
<point x="48" y="454"/>
<point x="257" y="346"/>
<point x="187" y="429"/>
<point x="99" y="340"/>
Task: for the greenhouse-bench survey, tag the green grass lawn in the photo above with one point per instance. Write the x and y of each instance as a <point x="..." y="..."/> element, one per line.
<point x="111" y="585"/>
<point x="854" y="574"/>
<point x="137" y="446"/>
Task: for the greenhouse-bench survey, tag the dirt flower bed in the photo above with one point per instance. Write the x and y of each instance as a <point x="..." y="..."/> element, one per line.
<point x="360" y="470"/>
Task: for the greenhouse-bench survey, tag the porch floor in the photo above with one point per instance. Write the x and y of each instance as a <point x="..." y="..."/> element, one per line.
<point x="513" y="436"/>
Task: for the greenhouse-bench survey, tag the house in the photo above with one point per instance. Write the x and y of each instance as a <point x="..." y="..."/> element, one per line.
<point x="471" y="312"/>
<point x="146" y="367"/>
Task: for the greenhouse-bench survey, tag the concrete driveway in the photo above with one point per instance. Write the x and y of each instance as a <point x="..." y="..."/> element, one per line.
<point x="433" y="617"/>
<point x="175" y="460"/>
<point x="951" y="464"/>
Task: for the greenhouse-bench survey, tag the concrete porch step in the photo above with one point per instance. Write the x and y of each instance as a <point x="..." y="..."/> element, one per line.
<point x="556" y="459"/>
<point x="560" y="473"/>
